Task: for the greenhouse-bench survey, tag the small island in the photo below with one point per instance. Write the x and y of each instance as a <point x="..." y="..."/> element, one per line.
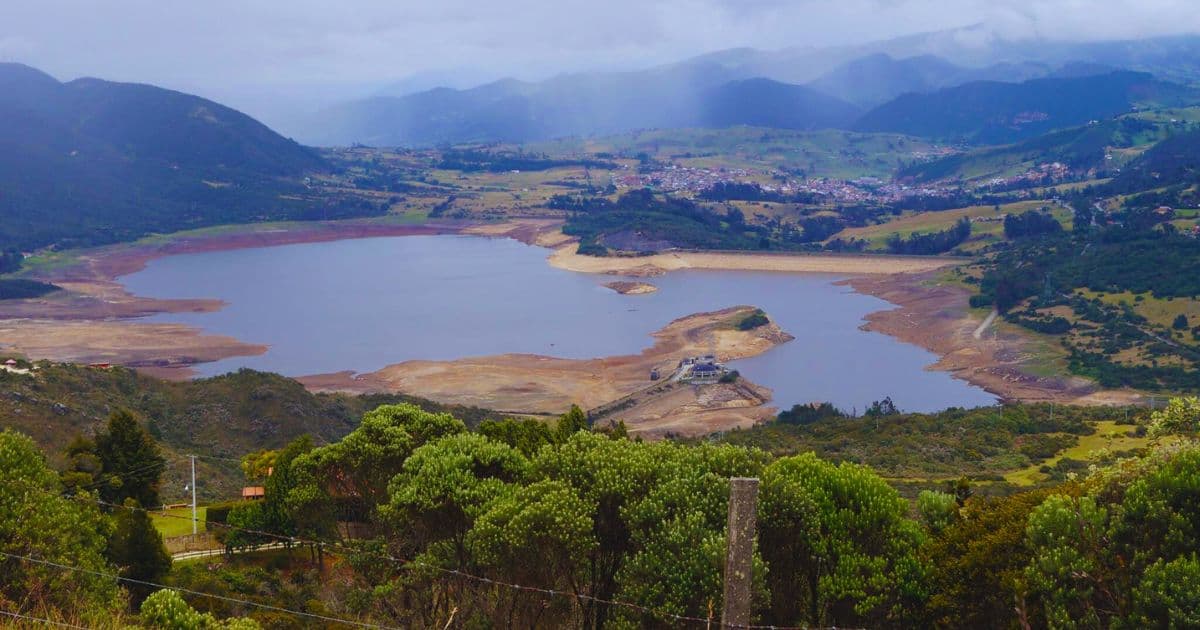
<point x="625" y="287"/>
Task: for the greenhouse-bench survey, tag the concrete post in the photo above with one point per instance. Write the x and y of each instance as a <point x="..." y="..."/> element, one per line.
<point x="739" y="555"/>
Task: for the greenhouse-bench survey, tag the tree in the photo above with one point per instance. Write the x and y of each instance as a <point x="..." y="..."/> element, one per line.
<point x="1180" y="323"/>
<point x="978" y="562"/>
<point x="83" y="465"/>
<point x="357" y="469"/>
<point x="258" y="465"/>
<point x="136" y="549"/>
<point x="130" y="461"/>
<point x="547" y="516"/>
<point x="36" y="521"/>
<point x="527" y="436"/>
<point x="838" y="548"/>
<point x="1168" y="595"/>
<point x="937" y="510"/>
<point x="882" y="408"/>
<point x="570" y="423"/>
<point x="166" y="609"/>
<point x="1180" y="417"/>
<point x="274" y="514"/>
<point x="445" y="485"/>
<point x="1108" y="558"/>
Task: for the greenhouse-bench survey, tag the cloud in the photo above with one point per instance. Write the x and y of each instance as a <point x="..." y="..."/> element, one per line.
<point x="239" y="46"/>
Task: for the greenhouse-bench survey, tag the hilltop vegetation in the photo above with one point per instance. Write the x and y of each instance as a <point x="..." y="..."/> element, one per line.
<point x="224" y="416"/>
<point x="530" y="525"/>
<point x="1000" y="446"/>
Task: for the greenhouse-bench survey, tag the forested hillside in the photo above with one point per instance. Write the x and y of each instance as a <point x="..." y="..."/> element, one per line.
<point x="224" y="416"/>
<point x="90" y="162"/>
<point x="412" y="520"/>
<point x="1085" y="148"/>
<point x="996" y="113"/>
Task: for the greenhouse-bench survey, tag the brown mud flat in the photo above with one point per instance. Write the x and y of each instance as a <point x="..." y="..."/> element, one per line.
<point x="567" y="257"/>
<point x="526" y="383"/>
<point x="625" y="287"/>
<point x="936" y="317"/>
<point x="164" y="350"/>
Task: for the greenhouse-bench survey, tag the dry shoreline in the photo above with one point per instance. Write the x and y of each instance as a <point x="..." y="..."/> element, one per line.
<point x="935" y="316"/>
<point x="93" y="322"/>
<point x="546" y="385"/>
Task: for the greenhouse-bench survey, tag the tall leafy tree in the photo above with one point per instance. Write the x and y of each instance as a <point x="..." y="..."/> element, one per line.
<point x="1108" y="558"/>
<point x="36" y="521"/>
<point x="131" y="464"/>
<point x="572" y="422"/>
<point x="978" y="560"/>
<point x="838" y="546"/>
<point x="346" y="480"/>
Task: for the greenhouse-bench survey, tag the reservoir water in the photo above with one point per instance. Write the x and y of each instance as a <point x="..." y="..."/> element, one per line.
<point x="363" y="304"/>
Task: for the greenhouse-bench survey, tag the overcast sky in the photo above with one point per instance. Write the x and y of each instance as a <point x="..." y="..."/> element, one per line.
<point x="226" y="47"/>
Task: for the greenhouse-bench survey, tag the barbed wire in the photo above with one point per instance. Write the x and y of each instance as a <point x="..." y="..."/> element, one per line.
<point x="49" y="622"/>
<point x="409" y="563"/>
<point x="114" y="576"/>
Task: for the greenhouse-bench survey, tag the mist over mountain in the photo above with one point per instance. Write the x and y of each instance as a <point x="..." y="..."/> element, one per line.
<point x="878" y="78"/>
<point x="685" y="95"/>
<point x="93" y="161"/>
<point x="699" y="91"/>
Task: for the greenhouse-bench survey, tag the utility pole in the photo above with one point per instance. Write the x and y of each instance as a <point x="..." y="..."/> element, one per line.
<point x="193" y="496"/>
<point x="739" y="553"/>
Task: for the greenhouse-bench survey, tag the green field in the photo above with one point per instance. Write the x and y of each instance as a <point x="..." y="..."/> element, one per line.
<point x="178" y="521"/>
<point x="1109" y="436"/>
<point x="827" y="153"/>
<point x="987" y="223"/>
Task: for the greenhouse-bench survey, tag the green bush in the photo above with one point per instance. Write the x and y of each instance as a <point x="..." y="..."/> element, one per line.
<point x="754" y="320"/>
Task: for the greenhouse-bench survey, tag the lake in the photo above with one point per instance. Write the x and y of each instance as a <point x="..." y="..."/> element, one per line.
<point x="362" y="304"/>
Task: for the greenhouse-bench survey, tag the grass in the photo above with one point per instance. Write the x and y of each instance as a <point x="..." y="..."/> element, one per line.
<point x="1159" y="311"/>
<point x="178" y="521"/>
<point x="1108" y="436"/>
<point x="923" y="222"/>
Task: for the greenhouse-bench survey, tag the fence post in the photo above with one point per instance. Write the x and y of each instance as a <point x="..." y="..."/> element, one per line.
<point x="739" y="554"/>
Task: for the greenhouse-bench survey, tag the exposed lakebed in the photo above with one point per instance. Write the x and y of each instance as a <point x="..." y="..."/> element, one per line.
<point x="362" y="304"/>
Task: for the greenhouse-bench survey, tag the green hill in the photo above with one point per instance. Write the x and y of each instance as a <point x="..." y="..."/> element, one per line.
<point x="988" y="112"/>
<point x="220" y="417"/>
<point x="91" y="161"/>
<point x="767" y="103"/>
<point x="1080" y="148"/>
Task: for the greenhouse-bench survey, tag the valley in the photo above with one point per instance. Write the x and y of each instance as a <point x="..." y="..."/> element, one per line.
<point x="320" y="327"/>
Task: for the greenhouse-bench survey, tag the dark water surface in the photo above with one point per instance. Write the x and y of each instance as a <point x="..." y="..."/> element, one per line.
<point x="363" y="304"/>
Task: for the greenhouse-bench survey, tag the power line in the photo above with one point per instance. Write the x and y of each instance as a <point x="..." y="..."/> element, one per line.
<point x="68" y="567"/>
<point x="408" y="564"/>
<point x="217" y="457"/>
<point x="49" y="622"/>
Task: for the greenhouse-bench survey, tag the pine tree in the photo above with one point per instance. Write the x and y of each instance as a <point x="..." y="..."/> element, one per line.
<point x="130" y="461"/>
<point x="136" y="548"/>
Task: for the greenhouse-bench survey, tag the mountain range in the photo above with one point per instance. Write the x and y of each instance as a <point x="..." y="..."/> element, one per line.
<point x="794" y="88"/>
<point x="92" y="161"/>
<point x="991" y="112"/>
<point x="690" y="95"/>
